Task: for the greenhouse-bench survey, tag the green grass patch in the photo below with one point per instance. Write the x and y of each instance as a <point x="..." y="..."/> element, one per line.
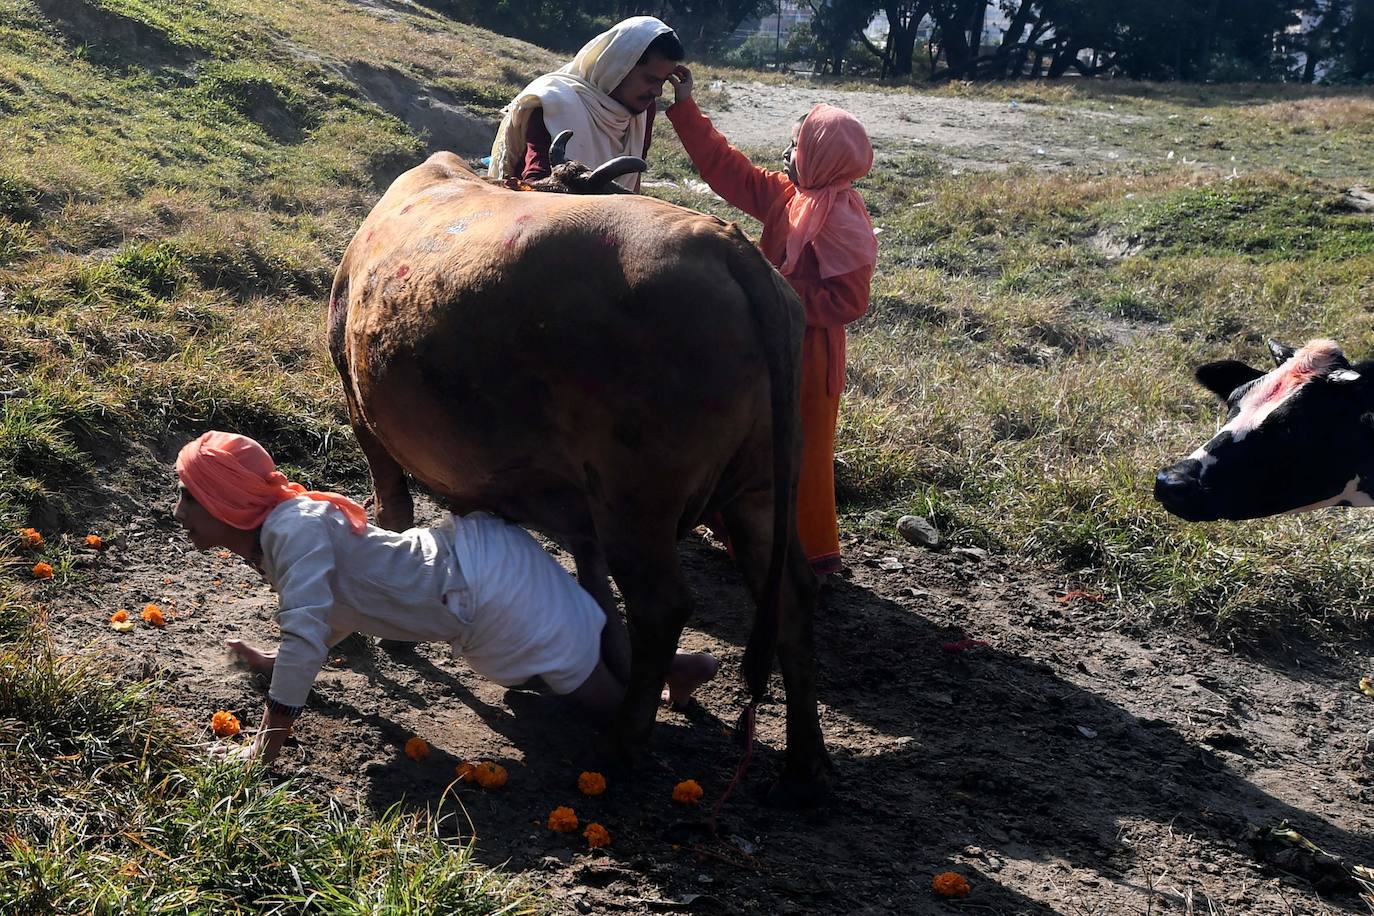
<point x="104" y="809"/>
<point x="1259" y="218"/>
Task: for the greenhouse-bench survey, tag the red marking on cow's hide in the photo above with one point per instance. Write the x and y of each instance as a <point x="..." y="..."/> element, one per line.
<point x="406" y="208"/>
<point x="1315" y="359"/>
<point x="333" y="303"/>
<point x="525" y="218"/>
<point x="370" y="234"/>
<point x="404" y="269"/>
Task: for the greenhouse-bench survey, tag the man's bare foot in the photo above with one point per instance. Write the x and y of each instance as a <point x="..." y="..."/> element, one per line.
<point x="255" y="658"/>
<point x="688" y="672"/>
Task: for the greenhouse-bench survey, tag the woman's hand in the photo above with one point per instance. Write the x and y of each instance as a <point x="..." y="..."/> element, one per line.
<point x="681" y="78"/>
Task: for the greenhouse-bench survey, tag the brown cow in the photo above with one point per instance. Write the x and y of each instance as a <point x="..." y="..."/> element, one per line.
<point x="606" y="370"/>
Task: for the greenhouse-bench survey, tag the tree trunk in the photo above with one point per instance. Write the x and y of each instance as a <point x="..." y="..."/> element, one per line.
<point x="1209" y="24"/>
<point x="903" y="21"/>
<point x="1001" y="66"/>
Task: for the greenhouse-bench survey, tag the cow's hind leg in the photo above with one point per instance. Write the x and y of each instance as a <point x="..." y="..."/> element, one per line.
<point x="391" y="500"/>
<point x="658" y="603"/>
<point x="594" y="575"/>
<point x="749" y="519"/>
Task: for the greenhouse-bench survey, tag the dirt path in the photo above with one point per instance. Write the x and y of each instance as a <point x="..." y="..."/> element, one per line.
<point x="1068" y="767"/>
<point x="979" y="134"/>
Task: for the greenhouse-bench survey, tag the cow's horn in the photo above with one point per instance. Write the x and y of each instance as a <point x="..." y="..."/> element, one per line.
<point x="620" y="165"/>
<point x="558" y="149"/>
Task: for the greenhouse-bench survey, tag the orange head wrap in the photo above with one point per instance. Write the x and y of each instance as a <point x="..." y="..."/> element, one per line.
<point x="237" y="482"/>
<point x="833" y="150"/>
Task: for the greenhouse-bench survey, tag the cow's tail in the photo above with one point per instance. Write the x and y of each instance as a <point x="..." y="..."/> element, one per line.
<point x="778" y="317"/>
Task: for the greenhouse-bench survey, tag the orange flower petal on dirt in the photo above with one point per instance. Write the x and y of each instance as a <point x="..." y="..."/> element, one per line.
<point x="152" y="614"/>
<point x="224" y="724"/>
<point x="465" y="771"/>
<point x="1077" y="594"/>
<point x="94" y="541"/>
<point x="417" y="748"/>
<point x="597" y="836"/>
<point x="490" y="775"/>
<point x="120" y="621"/>
<point x="591" y="783"/>
<point x="950" y="884"/>
<point x="29" y="537"/>
<point x="42" y="571"/>
<point x="563" y="819"/>
<point x="687" y="792"/>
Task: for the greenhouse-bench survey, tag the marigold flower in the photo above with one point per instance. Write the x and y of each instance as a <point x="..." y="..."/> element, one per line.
<point x="591" y="783"/>
<point x="597" y="836"/>
<point x="687" y="792"/>
<point x="42" y="571"/>
<point x="224" y="724"/>
<point x="417" y="748"/>
<point x="29" y="537"/>
<point x="563" y="819"/>
<point x="490" y="775"/>
<point x="120" y="621"/>
<point x="950" y="884"/>
<point x="94" y="540"/>
<point x="152" y="614"/>
<point x="465" y="771"/>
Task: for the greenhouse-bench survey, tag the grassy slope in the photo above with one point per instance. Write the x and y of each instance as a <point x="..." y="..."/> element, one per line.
<point x="166" y="234"/>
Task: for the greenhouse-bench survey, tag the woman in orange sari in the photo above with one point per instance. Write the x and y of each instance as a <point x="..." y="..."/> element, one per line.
<point x="817" y="232"/>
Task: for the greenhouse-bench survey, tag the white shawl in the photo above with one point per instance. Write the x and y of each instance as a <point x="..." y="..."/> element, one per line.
<point x="577" y="97"/>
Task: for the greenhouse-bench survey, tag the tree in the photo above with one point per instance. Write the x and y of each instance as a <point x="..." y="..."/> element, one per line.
<point x="703" y="25"/>
<point x="837" y="24"/>
<point x="1357" y="61"/>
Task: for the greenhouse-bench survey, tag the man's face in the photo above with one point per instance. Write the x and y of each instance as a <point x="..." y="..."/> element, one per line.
<point x="644" y="84"/>
<point x="202" y="528"/>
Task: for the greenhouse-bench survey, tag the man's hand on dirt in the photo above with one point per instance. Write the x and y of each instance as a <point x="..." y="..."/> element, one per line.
<point x="681" y="78"/>
<point x="246" y="752"/>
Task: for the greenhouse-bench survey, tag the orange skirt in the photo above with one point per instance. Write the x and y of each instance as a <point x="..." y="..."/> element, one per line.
<point x="820" y="409"/>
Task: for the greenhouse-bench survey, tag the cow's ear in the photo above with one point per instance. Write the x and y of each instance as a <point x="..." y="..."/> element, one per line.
<point x="1282" y="353"/>
<point x="1225" y="376"/>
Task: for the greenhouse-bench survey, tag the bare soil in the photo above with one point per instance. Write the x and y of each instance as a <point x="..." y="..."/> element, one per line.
<point x="1074" y="764"/>
<point x="973" y="133"/>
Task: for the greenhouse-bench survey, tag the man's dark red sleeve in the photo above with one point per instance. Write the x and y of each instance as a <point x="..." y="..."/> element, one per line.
<point x="537" y="143"/>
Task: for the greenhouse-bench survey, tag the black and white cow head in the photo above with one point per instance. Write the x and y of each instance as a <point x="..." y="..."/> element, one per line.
<point x="1296" y="438"/>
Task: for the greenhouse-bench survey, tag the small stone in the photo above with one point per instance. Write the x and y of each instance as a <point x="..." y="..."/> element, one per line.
<point x="916" y="530"/>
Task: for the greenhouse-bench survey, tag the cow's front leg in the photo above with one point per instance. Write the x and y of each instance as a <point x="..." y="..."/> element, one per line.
<point x="657" y="606"/>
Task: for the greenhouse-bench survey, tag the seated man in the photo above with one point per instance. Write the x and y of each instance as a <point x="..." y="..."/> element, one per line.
<point x="605" y="96"/>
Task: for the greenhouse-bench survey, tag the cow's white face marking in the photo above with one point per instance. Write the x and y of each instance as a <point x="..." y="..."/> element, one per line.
<point x="1353" y="495"/>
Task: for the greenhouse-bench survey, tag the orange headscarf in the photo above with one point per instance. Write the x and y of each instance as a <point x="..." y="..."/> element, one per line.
<point x="237" y="482"/>
<point x="832" y="150"/>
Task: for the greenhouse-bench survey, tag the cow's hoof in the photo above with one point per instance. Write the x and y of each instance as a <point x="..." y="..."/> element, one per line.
<point x="799" y="794"/>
